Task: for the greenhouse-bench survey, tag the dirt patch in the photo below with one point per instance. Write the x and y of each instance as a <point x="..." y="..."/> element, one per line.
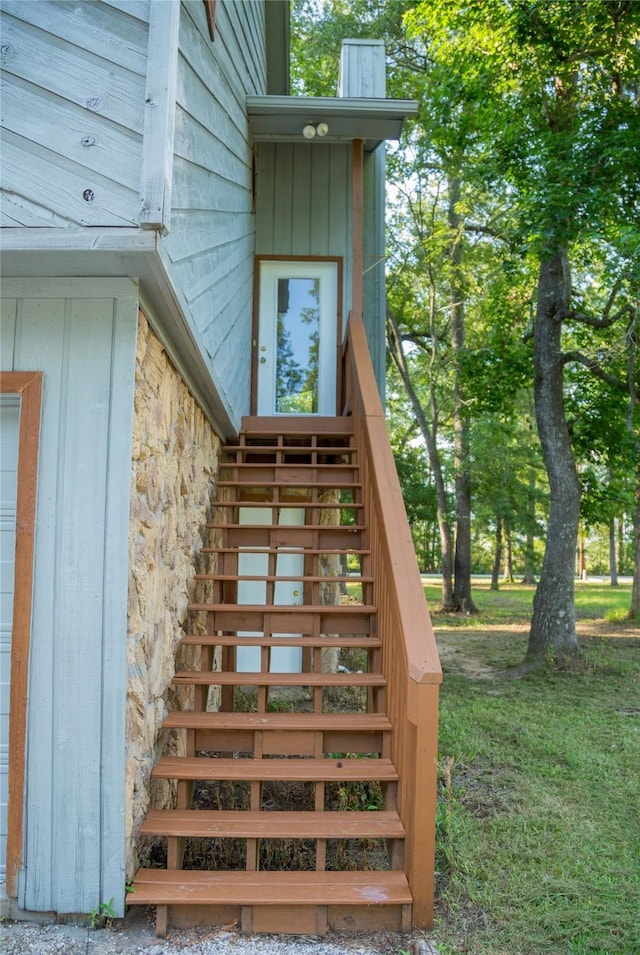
<point x="485" y="652"/>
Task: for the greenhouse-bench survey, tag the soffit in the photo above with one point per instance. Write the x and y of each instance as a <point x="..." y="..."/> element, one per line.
<point x="282" y="118"/>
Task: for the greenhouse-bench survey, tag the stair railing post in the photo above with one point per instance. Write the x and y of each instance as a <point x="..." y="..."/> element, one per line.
<point x="420" y="821"/>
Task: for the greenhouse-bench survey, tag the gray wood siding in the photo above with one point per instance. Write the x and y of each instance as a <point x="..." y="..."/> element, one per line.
<point x="82" y="334"/>
<point x="80" y="69"/>
<point x="303" y="202"/>
<point x="73" y="104"/>
<point x="304" y="208"/>
<point x="209" y="250"/>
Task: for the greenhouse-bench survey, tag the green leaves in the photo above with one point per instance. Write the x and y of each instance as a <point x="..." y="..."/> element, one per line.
<point x="553" y="89"/>
<point x="532" y="110"/>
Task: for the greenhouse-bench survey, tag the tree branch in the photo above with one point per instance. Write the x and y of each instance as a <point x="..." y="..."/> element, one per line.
<point x="595" y="368"/>
<point x="607" y="319"/>
<point x="484" y="230"/>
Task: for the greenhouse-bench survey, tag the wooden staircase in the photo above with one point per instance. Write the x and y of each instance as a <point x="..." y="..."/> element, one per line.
<point x="292" y="775"/>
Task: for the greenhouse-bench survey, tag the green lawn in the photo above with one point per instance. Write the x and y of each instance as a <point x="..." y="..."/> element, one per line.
<point x="514" y="601"/>
<point x="539" y="812"/>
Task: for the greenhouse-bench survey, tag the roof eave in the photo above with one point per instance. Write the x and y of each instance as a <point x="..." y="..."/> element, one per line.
<point x="282" y="118"/>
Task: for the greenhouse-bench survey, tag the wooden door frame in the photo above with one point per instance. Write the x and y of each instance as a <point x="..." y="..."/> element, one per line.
<point x="338" y="260"/>
<point x="28" y="385"/>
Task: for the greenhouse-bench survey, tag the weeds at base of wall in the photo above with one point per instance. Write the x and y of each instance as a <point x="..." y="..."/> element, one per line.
<point x="103" y="915"/>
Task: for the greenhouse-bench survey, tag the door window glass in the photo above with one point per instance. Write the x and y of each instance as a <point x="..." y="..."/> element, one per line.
<point x="298" y="337"/>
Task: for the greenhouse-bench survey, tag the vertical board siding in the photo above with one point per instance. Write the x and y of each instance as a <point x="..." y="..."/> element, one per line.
<point x="303" y="205"/>
<point x="209" y="251"/>
<point x="82" y="335"/>
<point x="73" y="107"/>
<point x="362" y="69"/>
<point x="302" y="199"/>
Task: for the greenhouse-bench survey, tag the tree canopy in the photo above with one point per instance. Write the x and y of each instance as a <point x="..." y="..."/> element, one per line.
<point x="513" y="262"/>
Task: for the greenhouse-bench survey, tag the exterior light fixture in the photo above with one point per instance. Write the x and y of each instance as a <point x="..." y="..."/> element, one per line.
<point x="318" y="129"/>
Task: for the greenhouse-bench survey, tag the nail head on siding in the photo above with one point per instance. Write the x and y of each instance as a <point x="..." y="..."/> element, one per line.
<point x="88" y="140"/>
<point x="88" y="195"/>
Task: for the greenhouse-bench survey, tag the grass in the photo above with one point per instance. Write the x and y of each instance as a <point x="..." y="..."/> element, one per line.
<point x="539" y="808"/>
<point x="594" y="601"/>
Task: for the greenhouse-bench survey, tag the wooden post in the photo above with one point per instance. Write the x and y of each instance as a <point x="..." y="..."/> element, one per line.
<point x="356" y="189"/>
<point x="29" y="386"/>
<point x="421" y="836"/>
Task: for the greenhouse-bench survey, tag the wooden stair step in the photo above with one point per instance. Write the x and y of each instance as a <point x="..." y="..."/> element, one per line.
<point x="307" y="551"/>
<point x="289" y="488"/>
<point x="327" y="505"/>
<point x="335" y="609"/>
<point x="180" y="886"/>
<point x="280" y="770"/>
<point x="296" y="529"/>
<point x="310" y="485"/>
<point x="284" y="618"/>
<point x="284" y="734"/>
<point x="306" y="460"/>
<point x="296" y="447"/>
<point x="222" y="678"/>
<point x="246" y="824"/>
<point x="325" y="643"/>
<point x="319" y="536"/>
<point x="288" y="468"/>
<point x="318" y="426"/>
<point x="303" y="578"/>
<point x="291" y="722"/>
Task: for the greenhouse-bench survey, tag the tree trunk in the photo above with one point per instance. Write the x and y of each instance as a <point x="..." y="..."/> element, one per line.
<point x="462" y="599"/>
<point x="621" y="550"/>
<point x="582" y="557"/>
<point x="529" y="576"/>
<point x="508" y="554"/>
<point x="632" y="340"/>
<point x="634" y="611"/>
<point x="395" y="349"/>
<point x="497" y="556"/>
<point x="553" y="624"/>
<point x="613" y="563"/>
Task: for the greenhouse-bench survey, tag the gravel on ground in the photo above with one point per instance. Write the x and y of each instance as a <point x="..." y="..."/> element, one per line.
<point x="135" y="935"/>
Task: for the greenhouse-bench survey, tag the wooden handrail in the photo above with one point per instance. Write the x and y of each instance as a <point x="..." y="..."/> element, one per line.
<point x="410" y="661"/>
<point x="423" y="662"/>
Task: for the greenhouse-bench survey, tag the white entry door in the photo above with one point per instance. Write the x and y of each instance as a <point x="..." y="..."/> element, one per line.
<point x="297" y="340"/>
<point x="9" y="424"/>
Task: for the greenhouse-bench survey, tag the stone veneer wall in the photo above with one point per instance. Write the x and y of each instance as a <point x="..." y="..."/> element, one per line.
<point x="174" y="466"/>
